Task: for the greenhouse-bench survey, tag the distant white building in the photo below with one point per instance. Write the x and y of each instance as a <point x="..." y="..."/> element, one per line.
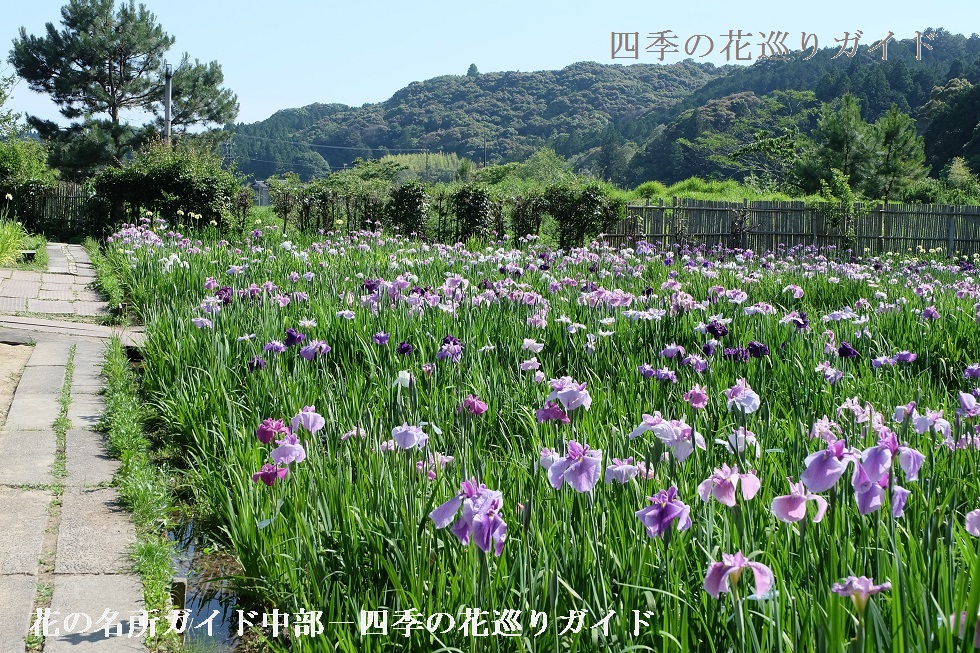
<point x="261" y="190"/>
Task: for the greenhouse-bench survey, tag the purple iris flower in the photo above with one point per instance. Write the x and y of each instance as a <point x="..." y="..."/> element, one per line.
<point x="480" y="521"/>
<point x="646" y="370"/>
<point x="846" y="350"/>
<point x="269" y="474"/>
<point x="742" y="396"/>
<point x="757" y="349"/>
<point x="666" y="375"/>
<point x="409" y="437"/>
<point x="824" y="468"/>
<point x="256" y="363"/>
<point x="580" y="468"/>
<point x="473" y="404"/>
<point x="859" y="589"/>
<point x="275" y="346"/>
<point x="269" y="429"/>
<point x="665" y="508"/>
<point x="709" y="348"/>
<point x="736" y="354"/>
<point x="552" y="411"/>
<point x="905" y="357"/>
<point x="621" y="470"/>
<point x="672" y="350"/>
<point x="698" y="363"/>
<point x="314" y="348"/>
<point x="722" y="484"/>
<point x="309" y="419"/>
<point x="451" y="351"/>
<point x="381" y="338"/>
<point x="288" y="451"/>
<point x="226" y="294"/>
<point x="570" y="393"/>
<point x="972" y="371"/>
<point x="405" y="348"/>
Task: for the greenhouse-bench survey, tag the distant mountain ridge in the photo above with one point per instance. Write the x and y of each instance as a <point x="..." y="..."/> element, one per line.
<point x="584" y="109"/>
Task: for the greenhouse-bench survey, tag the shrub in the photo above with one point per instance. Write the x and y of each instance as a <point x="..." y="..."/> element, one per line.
<point x="166" y="179"/>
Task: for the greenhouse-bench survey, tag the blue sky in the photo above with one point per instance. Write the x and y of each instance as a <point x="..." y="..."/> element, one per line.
<point x="295" y="52"/>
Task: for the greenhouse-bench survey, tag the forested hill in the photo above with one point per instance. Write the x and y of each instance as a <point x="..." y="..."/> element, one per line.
<point x="517" y="113"/>
<point x="618" y="121"/>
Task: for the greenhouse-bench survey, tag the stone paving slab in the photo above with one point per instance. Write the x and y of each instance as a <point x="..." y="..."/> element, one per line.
<point x="25" y="289"/>
<point x="42" y="379"/>
<point x="27" y="456"/>
<point x="22" y="524"/>
<point x="60" y="279"/>
<point x="32" y="412"/>
<point x="90" y="309"/>
<point x="92" y="595"/>
<point x="68" y="283"/>
<point x="130" y="336"/>
<point x="86" y="411"/>
<point x="13" y="304"/>
<point x="95" y="534"/>
<point x="85" y="295"/>
<point x="24" y="275"/>
<point x="17" y="598"/>
<point x="58" y="307"/>
<point x="57" y="295"/>
<point x="50" y="352"/>
<point x="79" y="253"/>
<point x="88" y="463"/>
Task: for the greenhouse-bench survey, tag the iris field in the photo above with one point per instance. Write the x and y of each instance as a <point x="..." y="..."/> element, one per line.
<point x="501" y="447"/>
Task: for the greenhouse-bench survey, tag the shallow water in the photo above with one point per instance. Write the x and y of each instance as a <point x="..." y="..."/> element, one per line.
<point x="207" y="594"/>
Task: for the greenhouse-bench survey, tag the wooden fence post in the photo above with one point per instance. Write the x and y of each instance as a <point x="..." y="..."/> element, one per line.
<point x="951" y="233"/>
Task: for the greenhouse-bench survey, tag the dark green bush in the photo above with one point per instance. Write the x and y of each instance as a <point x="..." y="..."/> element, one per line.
<point x="166" y="179"/>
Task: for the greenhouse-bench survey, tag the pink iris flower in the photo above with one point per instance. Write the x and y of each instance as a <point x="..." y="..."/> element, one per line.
<point x="792" y="507"/>
<point x="723" y="482"/>
<point x="730" y="568"/>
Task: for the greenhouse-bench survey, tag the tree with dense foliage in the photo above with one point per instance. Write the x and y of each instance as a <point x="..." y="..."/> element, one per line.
<point x="171" y="180"/>
<point x="8" y="119"/>
<point x="106" y="61"/>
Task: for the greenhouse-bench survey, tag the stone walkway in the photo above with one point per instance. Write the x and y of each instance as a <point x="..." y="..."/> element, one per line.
<point x="64" y="541"/>
<point x="62" y="290"/>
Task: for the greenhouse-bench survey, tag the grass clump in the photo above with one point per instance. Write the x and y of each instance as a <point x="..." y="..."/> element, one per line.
<point x="107" y="281"/>
<point x="13" y="239"/>
<point x="143" y="485"/>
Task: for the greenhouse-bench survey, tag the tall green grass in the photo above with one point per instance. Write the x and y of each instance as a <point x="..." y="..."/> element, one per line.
<point x="13" y="239"/>
<point x="348" y="530"/>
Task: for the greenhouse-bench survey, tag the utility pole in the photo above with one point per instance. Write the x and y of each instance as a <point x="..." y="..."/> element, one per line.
<point x="427" y="164"/>
<point x="167" y="92"/>
<point x="484" y="150"/>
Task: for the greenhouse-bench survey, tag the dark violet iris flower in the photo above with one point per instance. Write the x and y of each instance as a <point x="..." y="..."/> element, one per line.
<point x="717" y="329"/>
<point x="294" y="337"/>
<point x="664" y="509"/>
<point x="256" y="363"/>
<point x="405" y="348"/>
<point x="757" y="349"/>
<point x="846" y="350"/>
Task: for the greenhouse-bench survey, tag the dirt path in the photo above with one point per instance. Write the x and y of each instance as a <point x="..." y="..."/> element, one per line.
<point x="13" y="359"/>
